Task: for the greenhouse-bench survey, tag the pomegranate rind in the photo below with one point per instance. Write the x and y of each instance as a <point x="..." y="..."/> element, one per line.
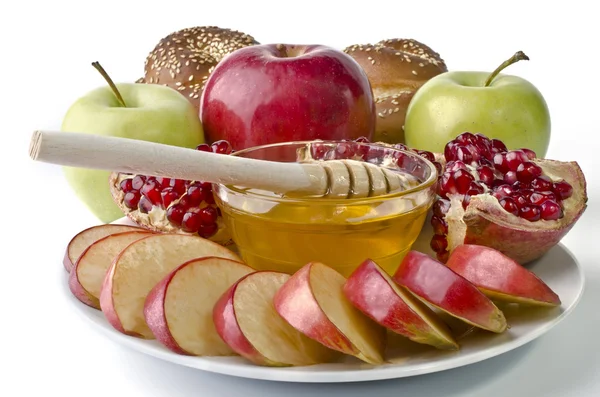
<point x="156" y="220"/>
<point x="484" y="222"/>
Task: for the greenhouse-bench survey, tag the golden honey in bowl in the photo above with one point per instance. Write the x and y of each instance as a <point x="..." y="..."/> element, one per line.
<point x="284" y="234"/>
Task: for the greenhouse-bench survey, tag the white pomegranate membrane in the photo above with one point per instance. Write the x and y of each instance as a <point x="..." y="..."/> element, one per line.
<point x="478" y="165"/>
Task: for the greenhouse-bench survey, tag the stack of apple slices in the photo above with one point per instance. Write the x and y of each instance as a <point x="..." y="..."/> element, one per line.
<point x="199" y="298"/>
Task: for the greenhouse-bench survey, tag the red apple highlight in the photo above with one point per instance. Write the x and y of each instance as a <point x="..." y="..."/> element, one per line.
<point x="274" y="93"/>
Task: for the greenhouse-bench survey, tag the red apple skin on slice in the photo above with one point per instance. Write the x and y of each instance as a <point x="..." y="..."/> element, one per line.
<point x="255" y="330"/>
<point x="139" y="267"/>
<point x="179" y="309"/>
<point x="87" y="276"/>
<point x="375" y="294"/>
<point x="441" y="287"/>
<point x="499" y="277"/>
<point x="313" y="302"/>
<point x="86" y="237"/>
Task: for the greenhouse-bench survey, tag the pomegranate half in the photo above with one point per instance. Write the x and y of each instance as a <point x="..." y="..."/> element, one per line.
<point x="508" y="200"/>
<point x="172" y="205"/>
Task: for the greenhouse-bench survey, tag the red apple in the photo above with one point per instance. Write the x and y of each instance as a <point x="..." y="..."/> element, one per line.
<point x="372" y="291"/>
<point x="273" y="93"/>
<point x="441" y="287"/>
<point x="499" y="277"/>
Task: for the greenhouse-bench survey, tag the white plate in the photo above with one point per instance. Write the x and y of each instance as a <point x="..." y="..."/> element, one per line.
<point x="558" y="268"/>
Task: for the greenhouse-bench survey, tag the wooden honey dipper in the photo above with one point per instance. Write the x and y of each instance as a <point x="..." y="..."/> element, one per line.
<point x="330" y="179"/>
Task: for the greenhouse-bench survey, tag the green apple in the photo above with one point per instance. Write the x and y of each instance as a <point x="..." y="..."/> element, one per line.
<point x="147" y="112"/>
<point x="505" y="107"/>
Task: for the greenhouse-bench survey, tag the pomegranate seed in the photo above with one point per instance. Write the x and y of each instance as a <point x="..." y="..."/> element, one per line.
<point x="427" y="155"/>
<point x="475" y="188"/>
<point x="150" y="184"/>
<point x="485" y="161"/>
<point x="520" y="200"/>
<point x="500" y="162"/>
<point x="462" y="181"/>
<point x="208" y="215"/>
<point x="207" y="231"/>
<point x="361" y="151"/>
<point x="441" y="207"/>
<point x="154" y="196"/>
<point x="209" y="198"/>
<point x="191" y="222"/>
<point x="138" y="182"/>
<point x="204" y="147"/>
<point x="175" y="214"/>
<point x="514" y="158"/>
<point x="465" y="138"/>
<point x="483" y="145"/>
<point x="221" y="147"/>
<point x="168" y="196"/>
<point x="132" y="199"/>
<point x="442" y="256"/>
<point x="541" y="184"/>
<point x="145" y="205"/>
<point x="464" y="154"/>
<point x="447" y="185"/>
<point x="497" y="182"/>
<point x="528" y="171"/>
<point x="550" y="210"/>
<point x="439" y="225"/>
<point x="344" y="150"/>
<point x="456" y="165"/>
<point x="319" y="151"/>
<point x="510" y="177"/>
<point x="126" y="185"/>
<point x="527" y="193"/>
<point x="185" y="202"/>
<point x="538" y="198"/>
<point x="438" y="243"/>
<point x="450" y="151"/>
<point x="502" y="191"/>
<point x="196" y="194"/>
<point x="530" y="153"/>
<point x="530" y="213"/>
<point x="562" y="189"/>
<point x="486" y="175"/>
<point x="498" y="146"/>
<point x="519" y="185"/>
<point x="509" y="205"/>
<point x="178" y="185"/>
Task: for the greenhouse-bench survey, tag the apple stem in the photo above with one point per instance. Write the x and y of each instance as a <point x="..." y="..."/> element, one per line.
<point x="110" y="83"/>
<point x="519" y="56"/>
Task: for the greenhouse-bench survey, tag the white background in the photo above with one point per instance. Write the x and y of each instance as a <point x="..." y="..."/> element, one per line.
<point x="47" y="48"/>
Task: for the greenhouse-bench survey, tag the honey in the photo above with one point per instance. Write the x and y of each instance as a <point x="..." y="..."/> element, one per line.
<point x="285" y="233"/>
<point x="289" y="235"/>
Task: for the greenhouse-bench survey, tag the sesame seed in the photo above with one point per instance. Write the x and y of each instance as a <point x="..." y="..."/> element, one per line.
<point x="394" y="102"/>
<point x="414" y="72"/>
<point x="191" y="77"/>
<point x="396" y="110"/>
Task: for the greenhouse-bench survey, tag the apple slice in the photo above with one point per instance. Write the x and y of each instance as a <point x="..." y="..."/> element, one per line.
<point x="246" y="320"/>
<point x="438" y="285"/>
<point x="499" y="277"/>
<point x="313" y="302"/>
<point x="179" y="308"/>
<point x="87" y="276"/>
<point x="139" y="267"/>
<point x="86" y="237"/>
<point x="370" y="289"/>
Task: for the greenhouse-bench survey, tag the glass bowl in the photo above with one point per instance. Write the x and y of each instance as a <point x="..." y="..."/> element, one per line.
<point x="272" y="232"/>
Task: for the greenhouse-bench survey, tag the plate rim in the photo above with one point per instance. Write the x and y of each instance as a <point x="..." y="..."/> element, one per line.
<point x="296" y="375"/>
